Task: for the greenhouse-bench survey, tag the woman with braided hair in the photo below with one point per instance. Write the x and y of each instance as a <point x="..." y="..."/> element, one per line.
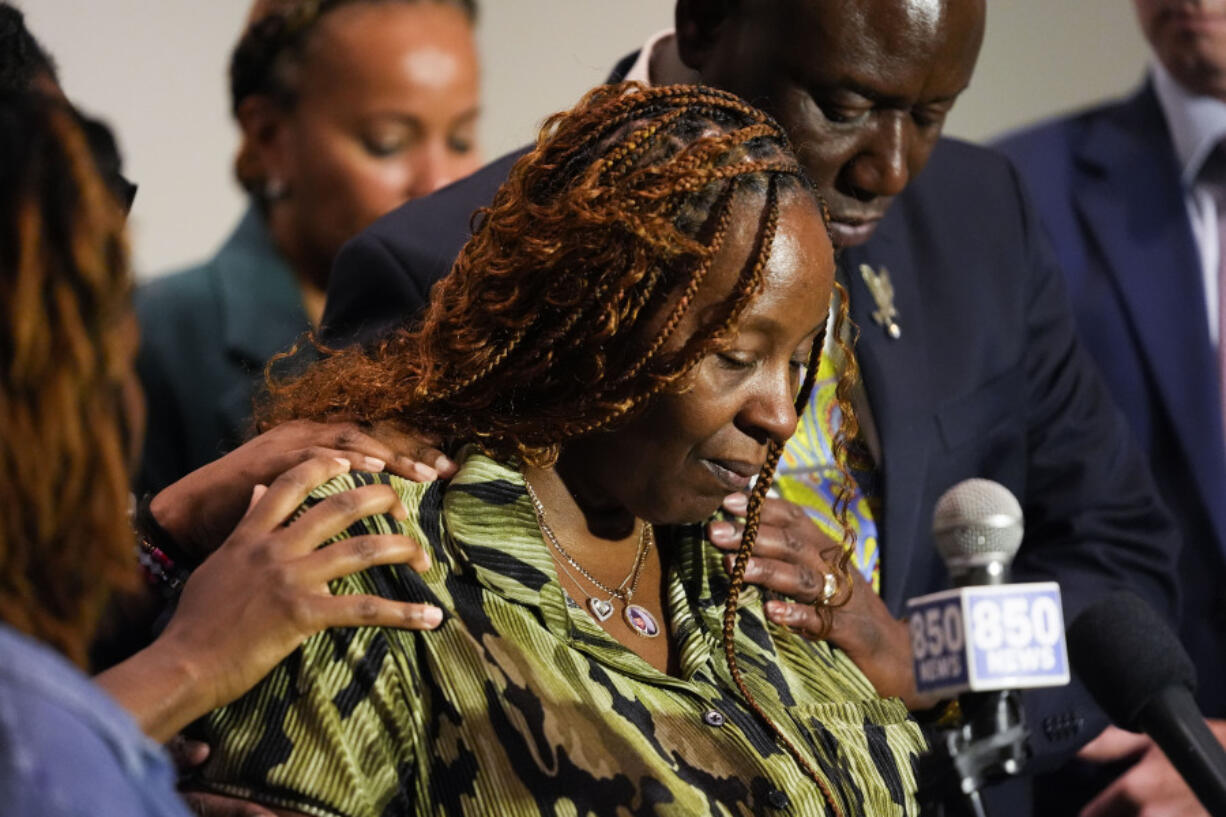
<point x="624" y="341"/>
<point x="347" y="109"/>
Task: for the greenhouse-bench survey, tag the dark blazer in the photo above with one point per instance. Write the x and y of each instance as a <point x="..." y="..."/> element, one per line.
<point x="988" y="380"/>
<point x="1106" y="183"/>
<point x="206" y="333"/>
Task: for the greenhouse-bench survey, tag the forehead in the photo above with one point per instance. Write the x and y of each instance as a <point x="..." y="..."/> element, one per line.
<point x="864" y="28"/>
<point x="797" y="276"/>
<point x="370" y="40"/>
<point x="894" y="47"/>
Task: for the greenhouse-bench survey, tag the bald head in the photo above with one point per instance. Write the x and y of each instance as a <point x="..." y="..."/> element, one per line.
<point x="861" y="86"/>
<point x="926" y="15"/>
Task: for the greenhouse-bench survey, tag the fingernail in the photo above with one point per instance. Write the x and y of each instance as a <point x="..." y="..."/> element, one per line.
<point x="375" y="464"/>
<point x="431" y="616"/>
<point x="443" y="463"/>
<point x="722" y="529"/>
<point x="427" y="473"/>
<point x="737" y="503"/>
<point x="401" y="511"/>
<point x="344" y="462"/>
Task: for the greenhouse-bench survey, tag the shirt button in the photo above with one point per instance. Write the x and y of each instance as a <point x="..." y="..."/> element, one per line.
<point x="778" y="799"/>
<point x="713" y="717"/>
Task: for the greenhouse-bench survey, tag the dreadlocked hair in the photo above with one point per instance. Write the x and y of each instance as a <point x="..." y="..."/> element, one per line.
<point x="65" y="353"/>
<point x="560" y="317"/>
<point x="271" y="51"/>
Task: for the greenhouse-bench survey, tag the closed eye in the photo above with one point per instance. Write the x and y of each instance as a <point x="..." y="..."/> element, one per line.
<point x="845" y="116"/>
<point x="801" y="363"/>
<point x="730" y="362"/>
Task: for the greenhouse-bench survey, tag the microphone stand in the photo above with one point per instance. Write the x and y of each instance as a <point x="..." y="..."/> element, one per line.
<point x="990" y="744"/>
<point x="977" y="527"/>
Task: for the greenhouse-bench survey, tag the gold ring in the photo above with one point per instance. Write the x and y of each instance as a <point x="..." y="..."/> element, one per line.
<point x="830" y="588"/>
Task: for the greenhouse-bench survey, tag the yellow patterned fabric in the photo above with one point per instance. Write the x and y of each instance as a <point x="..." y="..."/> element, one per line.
<point x="808" y="475"/>
<point x="519" y="704"/>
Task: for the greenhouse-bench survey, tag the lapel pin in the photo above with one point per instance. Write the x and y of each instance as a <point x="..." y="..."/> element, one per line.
<point x="883" y="295"/>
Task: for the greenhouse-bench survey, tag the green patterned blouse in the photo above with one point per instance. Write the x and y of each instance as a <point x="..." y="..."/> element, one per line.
<point x="520" y="704"/>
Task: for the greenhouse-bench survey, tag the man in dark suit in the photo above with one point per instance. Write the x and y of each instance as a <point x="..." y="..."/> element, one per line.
<point x="973" y="369"/>
<point x="1133" y="197"/>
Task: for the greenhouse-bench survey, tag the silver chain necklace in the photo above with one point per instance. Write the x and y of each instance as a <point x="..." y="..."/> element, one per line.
<point x="638" y="618"/>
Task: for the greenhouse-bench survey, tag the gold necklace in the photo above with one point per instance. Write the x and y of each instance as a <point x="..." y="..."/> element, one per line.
<point x="637" y="617"/>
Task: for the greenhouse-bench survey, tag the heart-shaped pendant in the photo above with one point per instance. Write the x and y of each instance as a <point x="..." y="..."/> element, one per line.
<point x="600" y="608"/>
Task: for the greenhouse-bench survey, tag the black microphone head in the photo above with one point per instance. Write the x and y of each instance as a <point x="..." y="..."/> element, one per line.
<point x="976" y="523"/>
<point x="1126" y="655"/>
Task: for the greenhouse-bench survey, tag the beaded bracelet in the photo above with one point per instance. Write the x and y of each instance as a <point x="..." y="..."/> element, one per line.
<point x="160" y="558"/>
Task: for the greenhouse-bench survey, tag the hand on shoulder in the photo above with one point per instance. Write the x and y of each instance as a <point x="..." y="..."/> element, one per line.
<point x="201" y="509"/>
<point x="263" y="593"/>
<point x="790" y="557"/>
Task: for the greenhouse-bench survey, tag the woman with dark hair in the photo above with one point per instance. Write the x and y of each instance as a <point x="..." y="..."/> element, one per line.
<point x="347" y="109"/>
<point x="71" y="414"/>
<point x="625" y="340"/>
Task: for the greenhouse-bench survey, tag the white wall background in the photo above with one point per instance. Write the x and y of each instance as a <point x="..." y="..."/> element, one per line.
<point x="1042" y="57"/>
<point x="156" y="70"/>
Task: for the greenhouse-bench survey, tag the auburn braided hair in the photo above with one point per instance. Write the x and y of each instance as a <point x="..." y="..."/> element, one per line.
<point x="66" y="349"/>
<point x="560" y="317"/>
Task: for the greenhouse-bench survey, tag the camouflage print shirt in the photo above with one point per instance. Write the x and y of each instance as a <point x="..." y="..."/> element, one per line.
<point x="520" y="704"/>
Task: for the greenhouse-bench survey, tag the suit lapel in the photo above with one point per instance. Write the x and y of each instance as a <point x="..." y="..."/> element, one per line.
<point x="261" y="312"/>
<point x="1130" y="188"/>
<point x="893" y="374"/>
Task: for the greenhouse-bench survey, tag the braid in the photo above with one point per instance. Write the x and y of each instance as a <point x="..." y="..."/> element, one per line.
<point x="751" y="282"/>
<point x="561" y="316"/>
<point x="753" y="520"/>
<point x="687" y="297"/>
<point x="639" y="141"/>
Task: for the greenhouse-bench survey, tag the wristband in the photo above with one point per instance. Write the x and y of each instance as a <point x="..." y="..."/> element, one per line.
<point x="160" y="557"/>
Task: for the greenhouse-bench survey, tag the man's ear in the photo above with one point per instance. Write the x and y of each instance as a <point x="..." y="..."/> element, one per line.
<point x="698" y="24"/>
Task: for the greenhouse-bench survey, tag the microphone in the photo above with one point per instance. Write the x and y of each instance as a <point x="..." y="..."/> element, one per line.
<point x="1141" y="676"/>
<point x="977" y="526"/>
<point x="982" y="641"/>
<point x="986" y="634"/>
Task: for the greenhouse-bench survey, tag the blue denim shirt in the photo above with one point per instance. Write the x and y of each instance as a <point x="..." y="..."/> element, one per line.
<point x="66" y="748"/>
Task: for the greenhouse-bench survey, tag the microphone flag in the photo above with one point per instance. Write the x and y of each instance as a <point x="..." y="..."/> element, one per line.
<point x="988" y="637"/>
